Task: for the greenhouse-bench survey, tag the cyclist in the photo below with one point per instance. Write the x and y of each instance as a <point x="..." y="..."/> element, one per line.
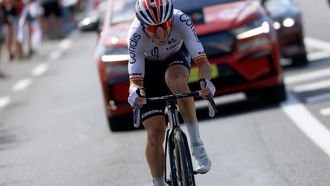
<point x="162" y="43"/>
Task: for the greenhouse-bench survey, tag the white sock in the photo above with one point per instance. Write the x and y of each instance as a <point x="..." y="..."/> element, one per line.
<point x="158" y="181"/>
<point x="194" y="136"/>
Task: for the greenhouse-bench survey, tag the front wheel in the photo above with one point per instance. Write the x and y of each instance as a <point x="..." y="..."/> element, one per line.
<point x="300" y="60"/>
<point x="184" y="168"/>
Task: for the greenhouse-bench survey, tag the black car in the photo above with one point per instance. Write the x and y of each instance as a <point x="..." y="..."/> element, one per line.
<point x="287" y="18"/>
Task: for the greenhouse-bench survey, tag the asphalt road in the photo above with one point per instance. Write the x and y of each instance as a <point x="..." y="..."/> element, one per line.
<point x="53" y="129"/>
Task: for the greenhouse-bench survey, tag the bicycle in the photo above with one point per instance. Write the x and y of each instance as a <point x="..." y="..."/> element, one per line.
<point x="176" y="144"/>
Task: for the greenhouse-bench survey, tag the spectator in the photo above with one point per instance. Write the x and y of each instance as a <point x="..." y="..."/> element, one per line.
<point x="68" y="10"/>
<point x="12" y="10"/>
<point x="2" y="34"/>
<point x="30" y="18"/>
<point x="52" y="9"/>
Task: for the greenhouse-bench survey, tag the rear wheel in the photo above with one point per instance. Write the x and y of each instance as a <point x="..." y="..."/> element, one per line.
<point x="185" y="172"/>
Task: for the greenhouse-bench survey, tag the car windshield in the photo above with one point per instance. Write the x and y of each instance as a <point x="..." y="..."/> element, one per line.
<point x="196" y="5"/>
<point x="124" y="10"/>
<point x="280" y="6"/>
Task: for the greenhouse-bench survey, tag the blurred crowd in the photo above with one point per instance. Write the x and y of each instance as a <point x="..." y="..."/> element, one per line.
<point x="25" y="23"/>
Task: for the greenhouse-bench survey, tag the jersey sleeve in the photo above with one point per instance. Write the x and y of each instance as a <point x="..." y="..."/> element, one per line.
<point x="186" y="29"/>
<point x="136" y="62"/>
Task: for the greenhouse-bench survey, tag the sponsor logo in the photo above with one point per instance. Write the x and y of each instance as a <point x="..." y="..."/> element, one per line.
<point x="172" y="40"/>
<point x="133" y="42"/>
<point x="173" y="46"/>
<point x="176" y="62"/>
<point x="151" y="112"/>
<point x="155" y="52"/>
<point x="135" y="74"/>
<point x="185" y="19"/>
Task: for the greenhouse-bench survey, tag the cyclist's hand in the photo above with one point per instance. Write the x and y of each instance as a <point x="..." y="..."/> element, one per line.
<point x="207" y="88"/>
<point x="136" y="98"/>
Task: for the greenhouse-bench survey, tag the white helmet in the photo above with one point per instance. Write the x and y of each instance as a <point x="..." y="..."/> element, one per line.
<point x="153" y="12"/>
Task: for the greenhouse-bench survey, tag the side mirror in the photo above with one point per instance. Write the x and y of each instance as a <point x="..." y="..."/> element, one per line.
<point x="89" y="25"/>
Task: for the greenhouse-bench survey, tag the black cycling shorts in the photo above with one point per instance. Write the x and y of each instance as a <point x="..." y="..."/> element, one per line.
<point x="154" y="81"/>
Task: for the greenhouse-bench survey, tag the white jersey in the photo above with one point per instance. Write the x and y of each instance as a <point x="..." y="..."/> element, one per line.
<point x="141" y="46"/>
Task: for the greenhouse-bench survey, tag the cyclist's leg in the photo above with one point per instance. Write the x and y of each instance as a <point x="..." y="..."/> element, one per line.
<point x="176" y="78"/>
<point x="152" y="115"/>
<point x="155" y="127"/>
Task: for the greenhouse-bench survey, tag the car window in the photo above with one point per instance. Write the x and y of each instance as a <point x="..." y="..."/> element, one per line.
<point x="122" y="11"/>
<point x="277" y="5"/>
<point x="187" y="6"/>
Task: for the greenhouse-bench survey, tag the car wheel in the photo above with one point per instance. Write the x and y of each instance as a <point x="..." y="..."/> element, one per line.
<point x="274" y="94"/>
<point x="121" y="123"/>
<point x="270" y="95"/>
<point x="299" y="60"/>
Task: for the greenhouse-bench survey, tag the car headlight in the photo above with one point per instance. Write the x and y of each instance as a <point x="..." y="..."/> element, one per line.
<point x="257" y="27"/>
<point x="115" y="58"/>
<point x="276" y="25"/>
<point x="287" y="22"/>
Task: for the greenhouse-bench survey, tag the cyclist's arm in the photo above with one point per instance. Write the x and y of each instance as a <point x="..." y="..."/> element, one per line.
<point x="135" y="85"/>
<point x="136" y="63"/>
<point x="204" y="69"/>
<point x="194" y="46"/>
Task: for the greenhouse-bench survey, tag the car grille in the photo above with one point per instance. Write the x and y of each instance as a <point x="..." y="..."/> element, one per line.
<point x="217" y="44"/>
<point x="227" y="78"/>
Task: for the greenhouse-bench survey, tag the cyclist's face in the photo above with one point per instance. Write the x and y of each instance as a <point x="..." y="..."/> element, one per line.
<point x="160" y="37"/>
<point x="159" y="33"/>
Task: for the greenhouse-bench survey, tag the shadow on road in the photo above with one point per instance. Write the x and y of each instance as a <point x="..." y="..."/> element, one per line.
<point x="235" y="108"/>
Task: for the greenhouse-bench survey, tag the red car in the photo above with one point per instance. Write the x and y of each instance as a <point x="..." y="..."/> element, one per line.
<point x="237" y="36"/>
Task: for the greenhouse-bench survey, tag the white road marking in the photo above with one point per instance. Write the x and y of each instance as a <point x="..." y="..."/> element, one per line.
<point x="22" y="84"/>
<point x="317" y="43"/>
<point x="65" y="44"/>
<point x="312" y="86"/>
<point x="39" y="70"/>
<point x="55" y="55"/>
<point x="307" y="76"/>
<point x="318" y="98"/>
<point x="313" y="56"/>
<point x="325" y="112"/>
<point x="4" y="101"/>
<point x="307" y="123"/>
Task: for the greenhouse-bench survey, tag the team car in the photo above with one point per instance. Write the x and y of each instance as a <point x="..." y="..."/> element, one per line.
<point x="287" y="20"/>
<point x="238" y="38"/>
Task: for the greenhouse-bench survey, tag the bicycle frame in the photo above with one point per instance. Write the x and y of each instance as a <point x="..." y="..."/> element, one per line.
<point x="173" y="124"/>
<point x="173" y="129"/>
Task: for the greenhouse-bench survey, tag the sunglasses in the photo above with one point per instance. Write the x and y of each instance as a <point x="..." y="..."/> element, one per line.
<point x="153" y="29"/>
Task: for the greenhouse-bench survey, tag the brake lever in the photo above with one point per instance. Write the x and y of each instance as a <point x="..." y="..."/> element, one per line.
<point x="212" y="107"/>
<point x="136" y="117"/>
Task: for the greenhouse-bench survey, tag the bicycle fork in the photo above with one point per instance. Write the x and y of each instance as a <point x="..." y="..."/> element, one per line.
<point x="170" y="145"/>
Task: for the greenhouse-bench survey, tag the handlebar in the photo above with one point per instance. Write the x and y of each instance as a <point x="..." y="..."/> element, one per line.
<point x="211" y="105"/>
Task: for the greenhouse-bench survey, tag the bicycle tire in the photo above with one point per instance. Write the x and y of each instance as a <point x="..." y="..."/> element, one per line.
<point x="185" y="172"/>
